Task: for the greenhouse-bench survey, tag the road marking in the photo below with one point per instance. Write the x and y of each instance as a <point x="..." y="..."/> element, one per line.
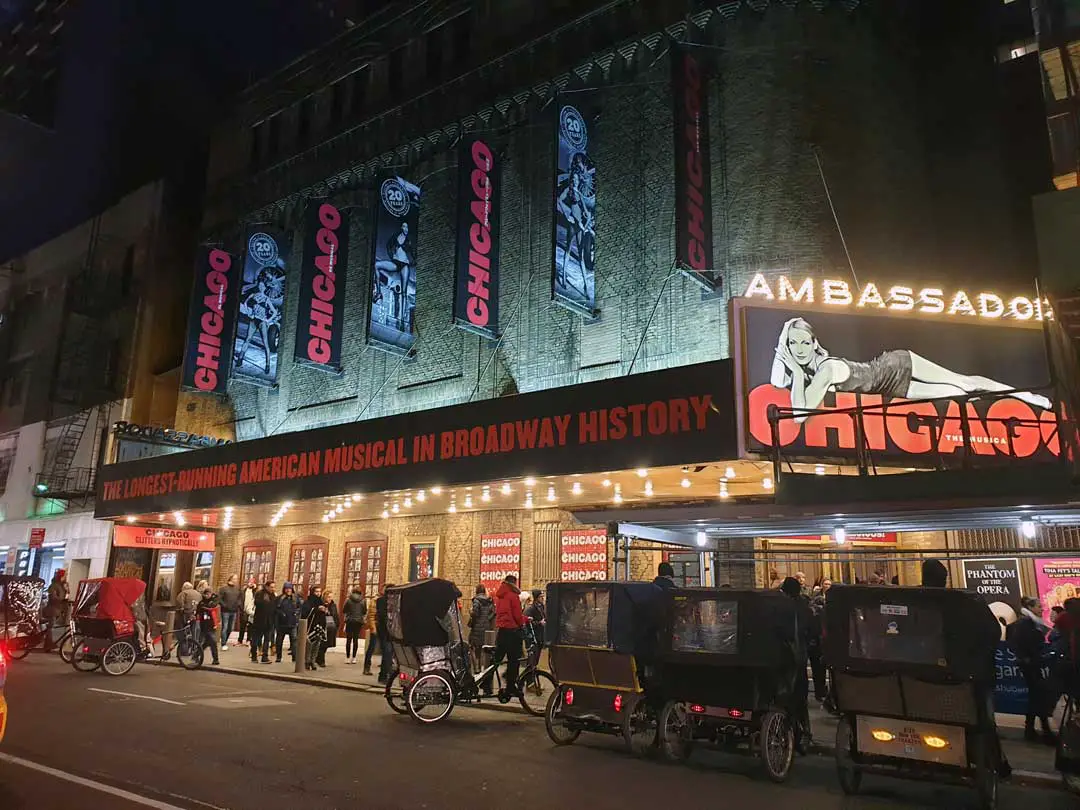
<point x="140" y="697"/>
<point x="101" y="787"/>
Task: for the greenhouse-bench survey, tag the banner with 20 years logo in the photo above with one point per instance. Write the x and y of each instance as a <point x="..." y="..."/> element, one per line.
<point x="573" y="278"/>
<point x="393" y="266"/>
<point x="262" y="307"/>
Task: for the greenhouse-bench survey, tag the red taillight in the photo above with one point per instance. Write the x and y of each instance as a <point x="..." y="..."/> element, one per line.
<point x="696" y="709"/>
<point x="568" y="697"/>
<point x="734" y="713"/>
<point x="617" y="703"/>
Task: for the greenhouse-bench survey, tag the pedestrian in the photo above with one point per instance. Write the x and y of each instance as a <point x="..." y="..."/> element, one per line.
<point x="509" y="620"/>
<point x="481" y="620"/>
<point x="385" y="647"/>
<point x="231" y="602"/>
<point x="372" y="638"/>
<point x="800" y="710"/>
<point x="262" y="622"/>
<point x="801" y="577"/>
<point x="57" y="609"/>
<point x="187" y="601"/>
<point x="1026" y="637"/>
<point x="936" y="575"/>
<point x="355" y="615"/>
<point x="536" y="616"/>
<point x="314" y="610"/>
<point x="286" y="620"/>
<point x="333" y="622"/>
<point x="204" y="611"/>
<point x="247" y="611"/>
<point x="665" y="576"/>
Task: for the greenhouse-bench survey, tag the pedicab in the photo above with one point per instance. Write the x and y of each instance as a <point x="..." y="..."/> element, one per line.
<point x="726" y="671"/>
<point x="913" y="678"/>
<point x="106" y="633"/>
<point x="601" y="640"/>
<point x="20" y="614"/>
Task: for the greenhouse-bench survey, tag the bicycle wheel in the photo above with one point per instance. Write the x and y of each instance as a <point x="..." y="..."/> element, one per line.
<point x="430" y="698"/>
<point x="557" y="730"/>
<point x="534" y="687"/>
<point x="119" y="658"/>
<point x="189" y="653"/>
<point x="67" y="647"/>
<point x="19" y="645"/>
<point x="397" y="692"/>
<point x="82" y="660"/>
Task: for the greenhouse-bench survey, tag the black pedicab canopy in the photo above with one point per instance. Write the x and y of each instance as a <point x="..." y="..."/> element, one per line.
<point x="619" y="616"/>
<point x="417" y="612"/>
<point x="931" y="631"/>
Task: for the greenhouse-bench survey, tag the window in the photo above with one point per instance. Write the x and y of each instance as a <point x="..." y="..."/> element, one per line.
<point x="365" y="565"/>
<point x="461" y="28"/>
<point x="705" y="625"/>
<point x="8" y="446"/>
<point x="337" y="102"/>
<point x="304" y="115"/>
<point x="257" y="562"/>
<point x="257" y="133"/>
<point x="307" y="563"/>
<point x="360" y="81"/>
<point x="434" y="52"/>
<point x="395" y="79"/>
<point x="273" y="137"/>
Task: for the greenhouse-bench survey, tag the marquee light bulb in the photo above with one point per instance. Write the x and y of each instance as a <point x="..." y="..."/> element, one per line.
<point x="395" y="508"/>
<point x="468" y="501"/>
<point x="551" y="493"/>
<point x="766" y="482"/>
<point x="358" y="496"/>
<point x="576" y="488"/>
<point x="648" y="488"/>
<point x="685" y="483"/>
<point x="617" y="498"/>
<point x="729" y="472"/>
<point x="326" y="518"/>
<point x="421" y="496"/>
<point x="819" y="469"/>
<point x="642" y="472"/>
<point x="436" y="490"/>
<point x="385" y="513"/>
<point x="505" y="489"/>
<point x="702" y="538"/>
<point x="1027" y="528"/>
<point x="348" y="503"/>
<point x="606" y="482"/>
<point x="486" y="496"/>
<point x="130" y="518"/>
<point x="724" y="490"/>
<point x="530" y="481"/>
<point x="408" y="502"/>
<point x="841" y="535"/>
<point x="452" y="509"/>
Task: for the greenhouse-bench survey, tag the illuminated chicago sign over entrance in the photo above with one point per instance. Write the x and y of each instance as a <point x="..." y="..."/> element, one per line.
<point x="898" y="298"/>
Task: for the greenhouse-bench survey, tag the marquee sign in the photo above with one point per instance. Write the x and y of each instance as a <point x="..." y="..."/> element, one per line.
<point x="168" y="539"/>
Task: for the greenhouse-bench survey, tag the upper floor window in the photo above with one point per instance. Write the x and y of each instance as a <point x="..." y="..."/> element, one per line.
<point x="337" y="102"/>
<point x="396" y="70"/>
<point x="257" y="133"/>
<point x="461" y="28"/>
<point x="360" y="81"/>
<point x="304" y="115"/>
<point x="433" y="44"/>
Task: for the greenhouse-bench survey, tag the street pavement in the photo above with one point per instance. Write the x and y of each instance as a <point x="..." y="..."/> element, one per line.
<point x="196" y="740"/>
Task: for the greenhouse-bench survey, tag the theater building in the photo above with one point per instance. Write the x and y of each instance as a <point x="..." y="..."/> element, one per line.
<point x="504" y="288"/>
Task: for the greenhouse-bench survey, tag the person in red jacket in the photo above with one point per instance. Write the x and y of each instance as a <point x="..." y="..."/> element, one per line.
<point x="509" y="620"/>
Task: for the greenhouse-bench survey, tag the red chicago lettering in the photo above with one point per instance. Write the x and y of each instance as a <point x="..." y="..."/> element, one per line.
<point x="323" y="286"/>
<point x="212" y="320"/>
<point x="693" y="204"/>
<point x="476" y="307"/>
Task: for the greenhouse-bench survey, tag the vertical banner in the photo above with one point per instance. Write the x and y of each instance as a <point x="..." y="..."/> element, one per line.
<point x="262" y="304"/>
<point x="500" y="556"/>
<point x="393" y="282"/>
<point x="320" y="318"/>
<point x="573" y="279"/>
<point x="693" y="171"/>
<point x="998" y="582"/>
<point x="476" y="279"/>
<point x="583" y="555"/>
<point x="1056" y="581"/>
<point x="211" y="319"/>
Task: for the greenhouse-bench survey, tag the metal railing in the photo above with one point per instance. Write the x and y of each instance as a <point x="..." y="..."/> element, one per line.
<point x="71" y="484"/>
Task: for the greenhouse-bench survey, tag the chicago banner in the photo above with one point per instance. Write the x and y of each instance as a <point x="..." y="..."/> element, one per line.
<point x="500" y="556"/>
<point x="476" y="278"/>
<point x="393" y="263"/>
<point x="211" y="319"/>
<point x="583" y="555"/>
<point x="693" y="171"/>
<point x="321" y="315"/>
<point x="573" y="281"/>
<point x="262" y="305"/>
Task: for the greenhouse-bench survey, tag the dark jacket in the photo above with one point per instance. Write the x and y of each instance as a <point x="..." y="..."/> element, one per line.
<point x="287" y="612"/>
<point x="1025" y="638"/>
<point x="230" y="599"/>
<point x="333" y="623"/>
<point x="380" y="619"/>
<point x="205" y="609"/>
<point x="667" y="583"/>
<point x="265" y="607"/>
<point x="314" y="611"/>
<point x="355" y="611"/>
<point x="481" y="618"/>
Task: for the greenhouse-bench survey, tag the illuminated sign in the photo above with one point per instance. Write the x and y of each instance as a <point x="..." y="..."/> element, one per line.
<point x="898" y="298"/>
<point x="169" y="539"/>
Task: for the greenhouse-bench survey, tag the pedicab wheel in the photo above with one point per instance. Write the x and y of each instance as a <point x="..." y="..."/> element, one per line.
<point x="430" y="698"/>
<point x="19" y="646"/>
<point x="82" y="660"/>
<point x="118" y="658"/>
<point x="534" y="688"/>
<point x="777" y="745"/>
<point x="190" y="654"/>
<point x="557" y="730"/>
<point x="675" y="743"/>
<point x="67" y="647"/>
<point x="640" y="729"/>
<point x="396" y="693"/>
<point x="847" y="772"/>
<point x="984" y="758"/>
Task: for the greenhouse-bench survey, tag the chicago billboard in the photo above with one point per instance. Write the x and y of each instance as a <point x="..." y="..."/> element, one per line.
<point x="211" y="319"/>
<point x="877" y="352"/>
<point x="262" y="306"/>
<point x="321" y="313"/>
<point x="476" y="272"/>
<point x="573" y="278"/>
<point x="393" y="266"/>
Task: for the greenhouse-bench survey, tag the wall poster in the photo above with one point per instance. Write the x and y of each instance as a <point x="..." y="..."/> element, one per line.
<point x="1056" y="581"/>
<point x="423" y="560"/>
<point x="321" y="313"/>
<point x="211" y="321"/>
<point x="583" y="555"/>
<point x="394" y="270"/>
<point x="476" y="271"/>
<point x="573" y="279"/>
<point x="500" y="556"/>
<point x="998" y="582"/>
<point x="262" y="305"/>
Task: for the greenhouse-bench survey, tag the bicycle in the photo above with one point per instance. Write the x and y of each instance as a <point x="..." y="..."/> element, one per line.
<point x="187" y="643"/>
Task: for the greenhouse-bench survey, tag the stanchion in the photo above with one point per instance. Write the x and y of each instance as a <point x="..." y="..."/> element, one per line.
<point x="301" y="647"/>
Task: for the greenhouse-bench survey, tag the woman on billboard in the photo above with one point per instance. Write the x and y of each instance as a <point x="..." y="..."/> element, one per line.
<point x="810" y="372"/>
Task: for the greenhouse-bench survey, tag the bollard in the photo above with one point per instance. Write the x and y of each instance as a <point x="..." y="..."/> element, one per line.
<point x="301" y="647"/>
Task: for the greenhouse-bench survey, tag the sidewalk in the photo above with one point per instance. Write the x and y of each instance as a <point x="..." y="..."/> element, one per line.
<point x="1031" y="762"/>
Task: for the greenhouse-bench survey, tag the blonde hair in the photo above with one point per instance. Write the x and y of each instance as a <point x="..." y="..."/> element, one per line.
<point x="780" y="376"/>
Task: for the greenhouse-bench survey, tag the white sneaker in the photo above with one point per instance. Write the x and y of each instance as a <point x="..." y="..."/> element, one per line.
<point x="224" y="647"/>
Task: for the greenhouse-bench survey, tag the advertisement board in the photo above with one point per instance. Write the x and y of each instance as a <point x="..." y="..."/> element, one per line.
<point x="320" y="316"/>
<point x="500" y="556"/>
<point x="583" y="555"/>
<point x="476" y="270"/>
<point x="1056" y="581"/>
<point x="998" y="582"/>
<point x="573" y="278"/>
<point x="681" y="415"/>
<point x="824" y="359"/>
<point x="211" y="321"/>
<point x="693" y="168"/>
<point x="160" y="538"/>
<point x="262" y="306"/>
<point x="393" y="266"/>
<point x="423" y="561"/>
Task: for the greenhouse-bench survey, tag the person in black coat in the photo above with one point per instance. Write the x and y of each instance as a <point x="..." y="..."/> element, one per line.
<point x="805" y="617"/>
<point x="333" y="622"/>
<point x="314" y="610"/>
<point x="665" y="576"/>
<point x="262" y="625"/>
<point x="385" y="646"/>
<point x="287" y="618"/>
